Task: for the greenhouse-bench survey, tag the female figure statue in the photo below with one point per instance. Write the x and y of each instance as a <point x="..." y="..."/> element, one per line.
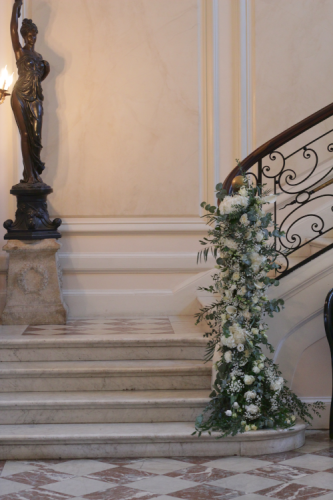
<point x="27" y="96"/>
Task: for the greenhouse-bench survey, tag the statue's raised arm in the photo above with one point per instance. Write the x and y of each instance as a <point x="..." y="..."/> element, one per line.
<point x="14" y="28"/>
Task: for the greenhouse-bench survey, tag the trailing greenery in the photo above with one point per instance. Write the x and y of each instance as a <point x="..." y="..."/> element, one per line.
<point x="249" y="392"/>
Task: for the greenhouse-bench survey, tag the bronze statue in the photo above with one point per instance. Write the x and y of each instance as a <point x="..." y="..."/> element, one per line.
<point x="32" y="221"/>
<point x="27" y="97"/>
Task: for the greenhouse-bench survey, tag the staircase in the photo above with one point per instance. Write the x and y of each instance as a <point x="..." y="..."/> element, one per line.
<point x="98" y="395"/>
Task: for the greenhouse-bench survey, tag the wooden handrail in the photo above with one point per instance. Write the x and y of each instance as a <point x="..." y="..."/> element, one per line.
<point x="277" y="142"/>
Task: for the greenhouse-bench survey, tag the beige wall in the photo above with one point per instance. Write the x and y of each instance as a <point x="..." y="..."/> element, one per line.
<point x="121" y="131"/>
<point x="293" y="62"/>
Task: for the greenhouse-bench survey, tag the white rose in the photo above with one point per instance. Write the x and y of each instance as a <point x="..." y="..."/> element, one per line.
<point x="259" y="285"/>
<point x="228" y="356"/>
<point x="255" y="300"/>
<point x="240" y="348"/>
<point x="228" y="295"/>
<point x="271" y="198"/>
<point x="231" y="309"/>
<point x="248" y="379"/>
<point x="228" y="413"/>
<point x="230" y="244"/>
<point x="230" y="203"/>
<point x="259" y="236"/>
<point x="247" y="428"/>
<point x="254" y="427"/>
<point x="253" y="409"/>
<point x="277" y="384"/>
<point x="255" y="369"/>
<point x="235" y="277"/>
<point x="236" y="405"/>
<point x="261" y="366"/>
<point x="247" y="314"/>
<point x="255" y="331"/>
<point x="293" y="418"/>
<point x="243" y="191"/>
<point x="238" y="333"/>
<point x="242" y="291"/>
<point x="244" y="220"/>
<point x="248" y="234"/>
<point x="250" y="395"/>
<point x="256" y="260"/>
<point x="228" y="341"/>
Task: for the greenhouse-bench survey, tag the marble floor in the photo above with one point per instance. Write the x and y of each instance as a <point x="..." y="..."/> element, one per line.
<point x="297" y="475"/>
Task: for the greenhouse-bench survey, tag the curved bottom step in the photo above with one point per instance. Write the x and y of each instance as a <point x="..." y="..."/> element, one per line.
<point x="170" y="439"/>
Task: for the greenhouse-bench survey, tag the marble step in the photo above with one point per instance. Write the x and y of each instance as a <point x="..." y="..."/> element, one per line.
<point x="165" y="439"/>
<point x="102" y="348"/>
<point x="104" y="376"/>
<point x="101" y="407"/>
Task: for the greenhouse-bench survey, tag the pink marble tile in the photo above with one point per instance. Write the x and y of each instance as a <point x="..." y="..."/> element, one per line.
<point x="325" y="452"/>
<point x="200" y="474"/>
<point x="281" y="472"/>
<point x="293" y="492"/>
<point x="35" y="494"/>
<point x="206" y="492"/>
<point x="278" y="457"/>
<point x="120" y="475"/>
<point x="39" y="477"/>
<point x="120" y="493"/>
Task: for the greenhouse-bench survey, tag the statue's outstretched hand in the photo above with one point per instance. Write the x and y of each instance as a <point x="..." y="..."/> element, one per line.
<point x="18" y="4"/>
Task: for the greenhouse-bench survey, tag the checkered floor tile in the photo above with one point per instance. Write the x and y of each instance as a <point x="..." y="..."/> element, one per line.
<point x="294" y="475"/>
<point x="105" y="327"/>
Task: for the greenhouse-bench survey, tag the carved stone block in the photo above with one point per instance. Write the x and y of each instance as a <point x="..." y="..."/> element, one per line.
<point x="34" y="294"/>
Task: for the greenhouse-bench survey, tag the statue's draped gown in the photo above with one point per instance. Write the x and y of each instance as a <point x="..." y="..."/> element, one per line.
<point x="28" y="91"/>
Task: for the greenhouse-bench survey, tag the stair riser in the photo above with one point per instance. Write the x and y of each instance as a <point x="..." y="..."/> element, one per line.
<point x="101" y="354"/>
<point x="116" y="383"/>
<point x="99" y="415"/>
<point x="60" y="449"/>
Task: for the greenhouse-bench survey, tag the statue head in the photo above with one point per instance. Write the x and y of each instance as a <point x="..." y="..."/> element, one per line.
<point x="29" y="32"/>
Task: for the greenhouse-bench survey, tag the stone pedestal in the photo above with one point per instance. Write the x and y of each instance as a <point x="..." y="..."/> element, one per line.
<point x="34" y="295"/>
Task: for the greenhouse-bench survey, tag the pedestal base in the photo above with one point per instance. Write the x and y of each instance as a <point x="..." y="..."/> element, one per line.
<point x="32" y="221"/>
<point x="34" y="295"/>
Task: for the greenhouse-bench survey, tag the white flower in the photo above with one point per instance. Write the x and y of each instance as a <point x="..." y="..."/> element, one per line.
<point x="236" y="405"/>
<point x="228" y="341"/>
<point x="243" y="191"/>
<point x="254" y="427"/>
<point x="248" y="379"/>
<point x="244" y="220"/>
<point x="242" y="291"/>
<point x="228" y="295"/>
<point x="259" y="236"/>
<point x="253" y="409"/>
<point x="228" y="413"/>
<point x="288" y="421"/>
<point x="240" y="348"/>
<point x="247" y="314"/>
<point x="256" y="369"/>
<point x="238" y="333"/>
<point x="271" y="198"/>
<point x="259" y="285"/>
<point x="293" y="418"/>
<point x="250" y="395"/>
<point x="223" y="319"/>
<point x="261" y="366"/>
<point x="254" y="300"/>
<point x="228" y="356"/>
<point x="231" y="309"/>
<point x="256" y="260"/>
<point x="223" y="274"/>
<point x="235" y="277"/>
<point x="232" y="244"/>
<point x="277" y="384"/>
<point x="248" y="234"/>
<point x="247" y="428"/>
<point x="230" y="203"/>
<point x="255" y="331"/>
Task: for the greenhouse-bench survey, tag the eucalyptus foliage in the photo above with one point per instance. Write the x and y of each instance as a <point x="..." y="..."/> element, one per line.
<point x="249" y="392"/>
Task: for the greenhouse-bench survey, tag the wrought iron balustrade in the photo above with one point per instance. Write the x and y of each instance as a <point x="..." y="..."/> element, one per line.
<point x="301" y="176"/>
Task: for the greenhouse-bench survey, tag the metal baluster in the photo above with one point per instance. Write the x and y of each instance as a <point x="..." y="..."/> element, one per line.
<point x="328" y="322"/>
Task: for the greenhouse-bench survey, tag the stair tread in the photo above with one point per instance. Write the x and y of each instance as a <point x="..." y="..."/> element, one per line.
<point x="98" y="367"/>
<point x="112" y="398"/>
<point x="117" y="432"/>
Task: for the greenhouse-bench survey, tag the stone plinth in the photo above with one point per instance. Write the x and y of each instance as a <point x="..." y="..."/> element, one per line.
<point x="34" y="295"/>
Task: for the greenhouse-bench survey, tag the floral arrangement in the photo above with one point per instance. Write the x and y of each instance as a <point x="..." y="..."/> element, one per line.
<point x="249" y="392"/>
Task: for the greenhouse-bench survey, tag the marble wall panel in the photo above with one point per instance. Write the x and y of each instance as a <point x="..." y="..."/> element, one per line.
<point x="121" y="132"/>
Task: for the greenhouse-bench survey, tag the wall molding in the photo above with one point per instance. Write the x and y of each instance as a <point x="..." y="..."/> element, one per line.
<point x="133" y="225"/>
<point x="246" y="77"/>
